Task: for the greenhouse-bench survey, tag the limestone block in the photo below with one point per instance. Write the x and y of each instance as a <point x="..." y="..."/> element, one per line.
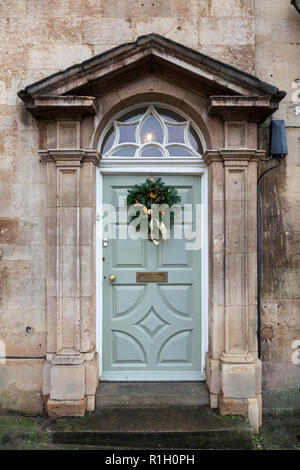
<point x="280" y="376"/>
<point x="254" y="414"/>
<point x="68" y="133"/>
<point x="217" y="227"/>
<point x="213" y="383"/>
<point x="241" y="56"/>
<point x="150" y="8"/>
<point x="51" y="226"/>
<point x="216" y="330"/>
<point x="231" y="8"/>
<point x="91" y="376"/>
<point x="226" y="31"/>
<point x="68" y="224"/>
<point x="229" y="406"/>
<point x="13" y="8"/>
<point x="259" y="401"/>
<point x="51" y="172"/>
<point x="236" y="133"/>
<point x="51" y="271"/>
<point x="87" y="180"/>
<point x="87" y="225"/>
<point x="102" y="30"/>
<point x="26" y="293"/>
<point x="46" y="378"/>
<point x="40" y="8"/>
<point x="216" y="171"/>
<point x="252" y="278"/>
<point x="84" y="8"/>
<point x="21" y="386"/>
<point x="258" y="369"/>
<point x="180" y="30"/>
<point x="58" y="408"/>
<point x="90" y="402"/>
<point x="236" y="329"/>
<point x="150" y="84"/>
<point x="24" y="332"/>
<point x="67" y="382"/>
<point x="238" y="380"/>
<point x="88" y="323"/>
<point x="213" y="400"/>
<point x="87" y="272"/>
<point x="57" y="56"/>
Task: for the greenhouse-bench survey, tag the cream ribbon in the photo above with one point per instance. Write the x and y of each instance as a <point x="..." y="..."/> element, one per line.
<point x="161" y="226"/>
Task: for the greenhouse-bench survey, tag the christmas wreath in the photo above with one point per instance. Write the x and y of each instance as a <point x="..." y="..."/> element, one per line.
<point x="154" y="192"/>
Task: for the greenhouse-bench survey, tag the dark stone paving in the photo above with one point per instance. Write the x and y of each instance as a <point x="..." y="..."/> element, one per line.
<point x="279" y="433"/>
<point x="156" y="394"/>
<point x="148" y="428"/>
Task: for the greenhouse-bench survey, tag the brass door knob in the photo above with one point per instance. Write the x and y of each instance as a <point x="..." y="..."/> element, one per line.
<point x="112" y="277"/>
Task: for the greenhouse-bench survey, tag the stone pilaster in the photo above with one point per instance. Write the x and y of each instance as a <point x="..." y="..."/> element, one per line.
<point x="232" y="365"/>
<point x="71" y="369"/>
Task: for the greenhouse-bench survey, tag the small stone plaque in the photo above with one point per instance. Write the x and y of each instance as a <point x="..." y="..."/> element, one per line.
<point x="152" y="277"/>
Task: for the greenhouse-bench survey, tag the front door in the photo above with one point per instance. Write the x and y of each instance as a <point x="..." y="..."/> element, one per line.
<point x="151" y="330"/>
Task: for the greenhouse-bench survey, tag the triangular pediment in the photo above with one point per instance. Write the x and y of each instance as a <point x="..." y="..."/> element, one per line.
<point x="157" y="55"/>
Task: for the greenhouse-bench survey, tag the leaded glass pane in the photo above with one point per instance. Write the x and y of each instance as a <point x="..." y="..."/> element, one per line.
<point x="195" y="140"/>
<point x="151" y="152"/>
<point x="176" y="134"/>
<point x="125" y="152"/>
<point x="127" y="133"/>
<point x="176" y="151"/>
<point x="151" y="130"/>
<point x="108" y="140"/>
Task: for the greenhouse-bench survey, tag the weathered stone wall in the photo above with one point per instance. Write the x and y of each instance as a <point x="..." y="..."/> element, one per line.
<point x="277" y="60"/>
<point x="40" y="37"/>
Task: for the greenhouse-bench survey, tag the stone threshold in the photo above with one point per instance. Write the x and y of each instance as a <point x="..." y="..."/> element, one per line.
<point x="151" y="394"/>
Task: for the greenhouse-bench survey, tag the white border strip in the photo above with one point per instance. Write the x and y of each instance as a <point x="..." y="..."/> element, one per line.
<point x="163" y="169"/>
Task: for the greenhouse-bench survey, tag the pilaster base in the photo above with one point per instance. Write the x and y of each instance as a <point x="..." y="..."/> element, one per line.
<point x="234" y="384"/>
<point x="71" y="383"/>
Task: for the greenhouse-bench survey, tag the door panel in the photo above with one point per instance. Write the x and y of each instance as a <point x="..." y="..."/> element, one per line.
<point x="151" y="331"/>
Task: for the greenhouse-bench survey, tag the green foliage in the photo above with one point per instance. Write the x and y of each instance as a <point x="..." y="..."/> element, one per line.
<point x="153" y="191"/>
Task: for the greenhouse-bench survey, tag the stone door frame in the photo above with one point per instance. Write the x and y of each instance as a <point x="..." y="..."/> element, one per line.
<point x="72" y="108"/>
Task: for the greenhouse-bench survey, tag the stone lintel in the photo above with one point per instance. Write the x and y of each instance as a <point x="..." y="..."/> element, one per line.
<point x="232" y="155"/>
<point x="58" y="106"/>
<point x="250" y="108"/>
<point x="69" y="157"/>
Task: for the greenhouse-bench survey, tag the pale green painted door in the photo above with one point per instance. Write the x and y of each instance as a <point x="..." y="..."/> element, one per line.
<point x="151" y="331"/>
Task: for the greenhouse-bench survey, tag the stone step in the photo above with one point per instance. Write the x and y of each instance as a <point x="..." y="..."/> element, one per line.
<point x="154" y="428"/>
<point x="151" y="394"/>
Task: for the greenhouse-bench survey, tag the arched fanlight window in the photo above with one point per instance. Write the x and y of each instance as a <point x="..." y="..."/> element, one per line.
<point x="151" y="131"/>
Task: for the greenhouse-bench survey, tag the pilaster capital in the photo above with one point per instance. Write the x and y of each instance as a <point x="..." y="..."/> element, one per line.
<point x="69" y="157"/>
<point x="232" y="155"/>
